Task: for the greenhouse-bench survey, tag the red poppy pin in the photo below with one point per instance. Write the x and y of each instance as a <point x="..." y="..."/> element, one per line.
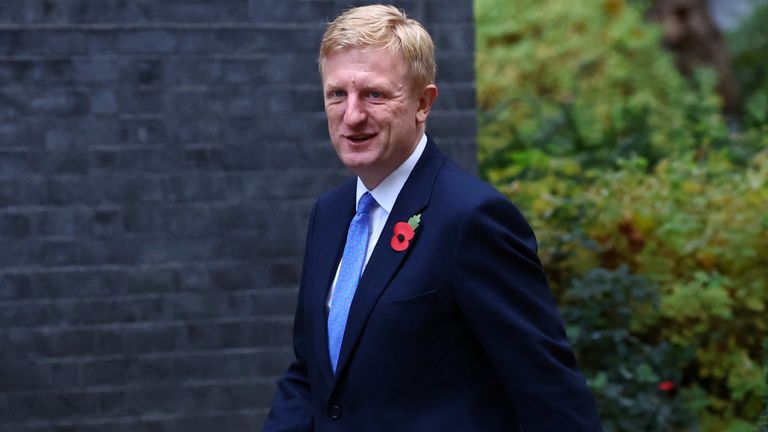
<point x="404" y="232"/>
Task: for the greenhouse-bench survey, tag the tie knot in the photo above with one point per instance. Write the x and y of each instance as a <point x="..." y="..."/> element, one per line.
<point x="366" y="203"/>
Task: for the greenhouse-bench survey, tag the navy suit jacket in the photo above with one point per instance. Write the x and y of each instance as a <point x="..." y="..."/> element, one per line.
<point x="459" y="332"/>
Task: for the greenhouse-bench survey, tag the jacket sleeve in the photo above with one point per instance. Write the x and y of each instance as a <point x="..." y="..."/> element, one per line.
<point x="291" y="407"/>
<point x="504" y="296"/>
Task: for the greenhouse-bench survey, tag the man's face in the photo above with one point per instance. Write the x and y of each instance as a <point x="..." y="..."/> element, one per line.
<point x="375" y="117"/>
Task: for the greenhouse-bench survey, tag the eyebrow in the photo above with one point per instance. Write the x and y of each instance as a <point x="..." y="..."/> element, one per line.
<point x="377" y="86"/>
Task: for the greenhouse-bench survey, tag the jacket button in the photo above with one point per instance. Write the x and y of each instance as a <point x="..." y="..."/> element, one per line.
<point x="335" y="412"/>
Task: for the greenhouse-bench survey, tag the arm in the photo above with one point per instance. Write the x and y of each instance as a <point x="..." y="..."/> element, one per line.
<point x="291" y="408"/>
<point x="504" y="297"/>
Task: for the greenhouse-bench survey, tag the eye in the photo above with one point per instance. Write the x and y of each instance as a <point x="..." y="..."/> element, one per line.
<point x="337" y="93"/>
<point x="375" y="94"/>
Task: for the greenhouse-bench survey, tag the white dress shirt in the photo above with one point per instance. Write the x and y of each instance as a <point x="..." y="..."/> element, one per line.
<point x="385" y="195"/>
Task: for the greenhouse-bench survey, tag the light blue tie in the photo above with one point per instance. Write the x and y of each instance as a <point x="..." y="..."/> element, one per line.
<point x="351" y="267"/>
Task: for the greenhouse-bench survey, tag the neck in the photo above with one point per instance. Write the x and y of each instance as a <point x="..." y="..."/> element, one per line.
<point x="372" y="178"/>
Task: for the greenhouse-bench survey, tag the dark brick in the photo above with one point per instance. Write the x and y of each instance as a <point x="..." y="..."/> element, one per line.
<point x="413" y="8"/>
<point x="18" y="252"/>
<point x="234" y="422"/>
<point x="280" y="332"/>
<point x="293" y="100"/>
<point x="273" y="362"/>
<point x="107" y="222"/>
<point x="67" y="161"/>
<point x="150" y="280"/>
<point x="453" y="39"/>
<point x="455" y="124"/>
<point x="49" y="406"/>
<point x="59" y="140"/>
<point x="26" y="315"/>
<point x="154" y="400"/>
<point x="77" y="283"/>
<point x="103" y="102"/>
<point x="285" y="274"/>
<point x="240" y="396"/>
<point x="57" y="42"/>
<point x="94" y="11"/>
<point x="253" y="276"/>
<point x="282" y="302"/>
<point x="25" y="344"/>
<point x="126" y="371"/>
<point x="155" y="337"/>
<point x="455" y="98"/>
<point x="201" y="11"/>
<point x="62" y="222"/>
<point x="113" y="403"/>
<point x="13" y="134"/>
<point x="20" y="375"/>
<point x="292" y="68"/>
<point x="158" y="162"/>
<point x="55" y="71"/>
<point x="15" y="225"/>
<point x="107" y="372"/>
<point x="210" y="366"/>
<point x="198" y="335"/>
<point x="146" y="41"/>
<point x="64" y="375"/>
<point x="437" y="12"/>
<point x="270" y="11"/>
<point x="14" y="286"/>
<point x="145" y="100"/>
<point x="108" y="311"/>
<point x="58" y="102"/>
<point x="97" y="70"/>
<point x="76" y="342"/>
<point x="454" y="68"/>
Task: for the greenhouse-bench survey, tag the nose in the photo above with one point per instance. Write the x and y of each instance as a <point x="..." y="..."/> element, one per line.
<point x="355" y="113"/>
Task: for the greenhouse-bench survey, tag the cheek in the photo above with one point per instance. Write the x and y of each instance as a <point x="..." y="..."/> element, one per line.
<point x="332" y="116"/>
<point x="385" y="117"/>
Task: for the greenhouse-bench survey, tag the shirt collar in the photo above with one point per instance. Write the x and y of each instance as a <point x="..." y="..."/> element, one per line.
<point x="387" y="191"/>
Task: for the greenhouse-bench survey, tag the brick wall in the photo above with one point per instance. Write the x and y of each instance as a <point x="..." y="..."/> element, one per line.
<point x="158" y="160"/>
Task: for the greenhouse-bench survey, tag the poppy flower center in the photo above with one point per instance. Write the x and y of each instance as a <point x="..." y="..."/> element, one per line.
<point x="401" y="237"/>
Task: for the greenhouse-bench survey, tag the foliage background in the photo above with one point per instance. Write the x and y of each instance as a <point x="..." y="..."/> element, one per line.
<point x="649" y="205"/>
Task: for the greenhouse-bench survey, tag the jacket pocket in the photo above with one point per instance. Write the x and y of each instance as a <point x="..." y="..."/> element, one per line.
<point x="427" y="296"/>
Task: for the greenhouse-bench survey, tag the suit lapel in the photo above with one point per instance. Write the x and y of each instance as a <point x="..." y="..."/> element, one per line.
<point x="385" y="262"/>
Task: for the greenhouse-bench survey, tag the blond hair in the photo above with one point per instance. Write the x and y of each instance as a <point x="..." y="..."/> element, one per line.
<point x="382" y="26"/>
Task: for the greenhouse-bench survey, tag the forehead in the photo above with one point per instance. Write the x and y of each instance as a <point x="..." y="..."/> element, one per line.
<point x="361" y="63"/>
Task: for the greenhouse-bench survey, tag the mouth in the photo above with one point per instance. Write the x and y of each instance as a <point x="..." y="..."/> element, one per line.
<point x="359" y="138"/>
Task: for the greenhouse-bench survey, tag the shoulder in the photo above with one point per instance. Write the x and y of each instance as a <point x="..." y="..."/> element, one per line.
<point x="479" y="214"/>
<point x="338" y="198"/>
<point x="465" y="193"/>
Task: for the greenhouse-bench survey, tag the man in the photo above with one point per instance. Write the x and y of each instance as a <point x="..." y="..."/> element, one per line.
<point x="423" y="306"/>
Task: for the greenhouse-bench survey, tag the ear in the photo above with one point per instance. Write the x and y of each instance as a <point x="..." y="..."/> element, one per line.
<point x="427" y="97"/>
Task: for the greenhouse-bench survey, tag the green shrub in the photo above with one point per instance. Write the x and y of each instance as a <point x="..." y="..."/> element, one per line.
<point x="634" y="378"/>
<point x="748" y="46"/>
<point x="588" y="82"/>
<point x="764" y="416"/>
<point x="651" y="214"/>
<point x="697" y="229"/>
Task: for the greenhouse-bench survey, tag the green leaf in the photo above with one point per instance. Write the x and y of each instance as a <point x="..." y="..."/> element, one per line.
<point x="414" y="221"/>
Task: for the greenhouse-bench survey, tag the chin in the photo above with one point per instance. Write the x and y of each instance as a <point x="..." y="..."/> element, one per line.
<point x="356" y="164"/>
<point x="353" y="159"/>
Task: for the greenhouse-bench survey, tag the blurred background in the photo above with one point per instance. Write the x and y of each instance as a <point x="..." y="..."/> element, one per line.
<point x="634" y="136"/>
<point x="158" y="161"/>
